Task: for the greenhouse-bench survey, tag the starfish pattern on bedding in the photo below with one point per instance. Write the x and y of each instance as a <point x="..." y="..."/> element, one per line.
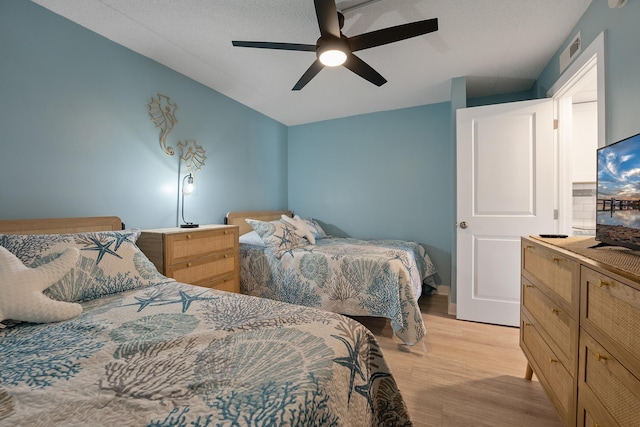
<point x="365" y="389"/>
<point x="285" y="239"/>
<point x="350" y="362"/>
<point x="102" y="248"/>
<point x="188" y="299"/>
<point x="122" y="238"/>
<point x="158" y="300"/>
<point x="144" y="302"/>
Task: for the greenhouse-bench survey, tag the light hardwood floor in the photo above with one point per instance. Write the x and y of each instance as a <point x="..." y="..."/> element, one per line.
<point x="472" y="374"/>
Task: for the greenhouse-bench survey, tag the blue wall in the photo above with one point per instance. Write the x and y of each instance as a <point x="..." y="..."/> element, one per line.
<point x="379" y="175"/>
<point x="622" y="52"/>
<point x="76" y="138"/>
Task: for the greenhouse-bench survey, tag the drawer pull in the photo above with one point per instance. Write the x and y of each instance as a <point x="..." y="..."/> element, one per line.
<point x="527" y="324"/>
<point x="556" y="259"/>
<point x="188" y="236"/>
<point x="189" y="264"/>
<point x="603" y="283"/>
<point x="555" y="311"/>
<point x="529" y="248"/>
<point x="600" y="357"/>
<point x="552" y="361"/>
<point x="528" y="286"/>
<point x="226" y="255"/>
<point x="225" y="231"/>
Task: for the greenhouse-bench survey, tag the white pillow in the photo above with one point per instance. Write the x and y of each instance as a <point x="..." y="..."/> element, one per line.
<point x="301" y="226"/>
<point x="252" y="238"/>
<point x="21" y="287"/>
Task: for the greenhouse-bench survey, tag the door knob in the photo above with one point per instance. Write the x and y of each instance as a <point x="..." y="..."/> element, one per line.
<point x="464" y="224"/>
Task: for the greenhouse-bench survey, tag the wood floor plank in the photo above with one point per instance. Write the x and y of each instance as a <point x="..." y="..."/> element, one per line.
<point x="472" y="374"/>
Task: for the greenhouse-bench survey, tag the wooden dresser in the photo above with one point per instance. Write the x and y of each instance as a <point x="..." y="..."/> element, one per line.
<point x="205" y="256"/>
<point x="580" y="332"/>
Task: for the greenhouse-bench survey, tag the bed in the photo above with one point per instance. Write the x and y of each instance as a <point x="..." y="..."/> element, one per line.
<point x="146" y="350"/>
<point x="377" y="278"/>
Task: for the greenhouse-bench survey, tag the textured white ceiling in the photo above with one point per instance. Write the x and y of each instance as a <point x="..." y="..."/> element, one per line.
<point x="501" y="46"/>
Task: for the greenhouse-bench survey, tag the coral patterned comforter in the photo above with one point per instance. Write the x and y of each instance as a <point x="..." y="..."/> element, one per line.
<point x="381" y="278"/>
<point x="179" y="355"/>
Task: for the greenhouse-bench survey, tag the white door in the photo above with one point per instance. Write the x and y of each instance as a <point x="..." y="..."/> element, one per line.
<point x="505" y="189"/>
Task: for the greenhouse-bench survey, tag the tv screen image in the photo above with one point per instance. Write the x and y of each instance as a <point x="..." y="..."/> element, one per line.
<point x="618" y="194"/>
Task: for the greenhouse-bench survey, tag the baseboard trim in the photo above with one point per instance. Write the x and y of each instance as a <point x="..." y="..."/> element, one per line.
<point x="443" y="290"/>
<point x="452" y="310"/>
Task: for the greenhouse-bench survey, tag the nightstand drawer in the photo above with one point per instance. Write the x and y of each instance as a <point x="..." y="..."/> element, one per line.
<point x="202" y="270"/>
<point x="194" y="244"/>
<point x="226" y="283"/>
<point x="614" y="387"/>
<point x="205" y="256"/>
<point x="553" y="320"/>
<point x="552" y="270"/>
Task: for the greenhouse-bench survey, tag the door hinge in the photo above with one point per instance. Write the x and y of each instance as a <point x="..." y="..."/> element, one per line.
<point x="555" y="214"/>
<point x="555" y="124"/>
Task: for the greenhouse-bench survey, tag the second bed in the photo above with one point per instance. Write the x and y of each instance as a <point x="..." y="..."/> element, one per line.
<point x="378" y="278"/>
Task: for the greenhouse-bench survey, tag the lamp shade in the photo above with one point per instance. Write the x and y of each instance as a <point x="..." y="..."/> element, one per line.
<point x="187" y="188"/>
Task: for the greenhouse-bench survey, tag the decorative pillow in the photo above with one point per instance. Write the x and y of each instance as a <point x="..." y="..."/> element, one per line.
<point x="21" y="296"/>
<point x="279" y="236"/>
<point x="109" y="262"/>
<point x="302" y="227"/>
<point x="317" y="231"/>
<point x="252" y="238"/>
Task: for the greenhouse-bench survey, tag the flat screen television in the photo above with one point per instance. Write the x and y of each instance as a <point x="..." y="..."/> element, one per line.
<point x="618" y="194"/>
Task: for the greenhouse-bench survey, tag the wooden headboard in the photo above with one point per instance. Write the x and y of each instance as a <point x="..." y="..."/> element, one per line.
<point x="60" y="225"/>
<point x="238" y="218"/>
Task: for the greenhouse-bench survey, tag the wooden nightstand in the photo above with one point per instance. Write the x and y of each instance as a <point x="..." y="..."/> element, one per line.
<point x="205" y="256"/>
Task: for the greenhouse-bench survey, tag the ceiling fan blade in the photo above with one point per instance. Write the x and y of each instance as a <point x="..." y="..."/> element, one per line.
<point x="327" y="14"/>
<point x="364" y="70"/>
<point x="272" y="45"/>
<point x="309" y="74"/>
<point x="392" y="34"/>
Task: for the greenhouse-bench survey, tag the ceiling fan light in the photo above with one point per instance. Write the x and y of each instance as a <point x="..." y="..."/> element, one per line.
<point x="332" y="57"/>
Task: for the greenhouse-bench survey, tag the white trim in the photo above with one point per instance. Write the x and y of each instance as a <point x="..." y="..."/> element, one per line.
<point x="594" y="54"/>
<point x="592" y="57"/>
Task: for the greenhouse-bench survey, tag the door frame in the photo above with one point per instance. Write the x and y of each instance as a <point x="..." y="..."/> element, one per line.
<point x="593" y="57"/>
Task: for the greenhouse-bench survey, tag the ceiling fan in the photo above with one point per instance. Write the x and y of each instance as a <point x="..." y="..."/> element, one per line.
<point x="333" y="48"/>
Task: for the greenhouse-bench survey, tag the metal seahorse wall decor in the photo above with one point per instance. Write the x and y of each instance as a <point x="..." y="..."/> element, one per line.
<point x="163" y="113"/>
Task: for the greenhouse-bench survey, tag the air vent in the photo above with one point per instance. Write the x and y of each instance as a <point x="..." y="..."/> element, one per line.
<point x="570" y="52"/>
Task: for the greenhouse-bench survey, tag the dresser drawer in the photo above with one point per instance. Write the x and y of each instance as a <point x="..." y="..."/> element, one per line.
<point x="553" y="271"/>
<point x="556" y="379"/>
<point x="552" y="320"/>
<point x="591" y="413"/>
<point x="184" y="246"/>
<point x="612" y="314"/>
<point x="614" y="387"/>
<point x="203" y="270"/>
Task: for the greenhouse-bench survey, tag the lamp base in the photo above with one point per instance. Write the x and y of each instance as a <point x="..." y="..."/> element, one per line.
<point x="189" y="225"/>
